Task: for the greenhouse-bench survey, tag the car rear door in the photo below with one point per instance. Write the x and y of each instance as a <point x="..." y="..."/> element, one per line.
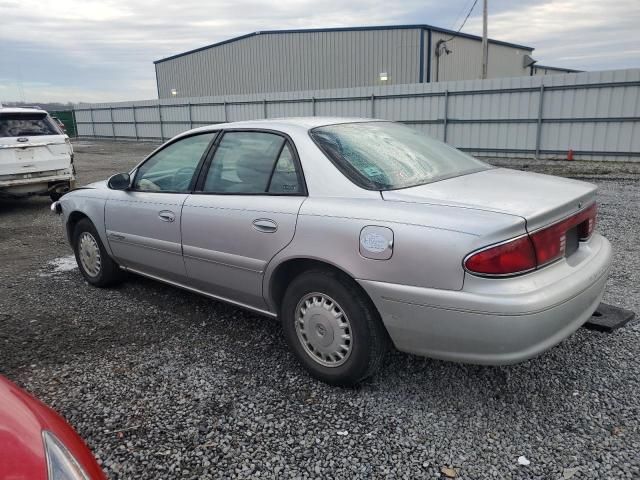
<point x="242" y="213"/>
<point x="30" y="142"/>
<point x="143" y="222"/>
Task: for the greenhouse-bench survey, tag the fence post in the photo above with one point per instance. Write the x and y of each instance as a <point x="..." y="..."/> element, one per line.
<point x="313" y="106"/>
<point x="190" y="117"/>
<point x="224" y="104"/>
<point x="74" y="123"/>
<point x="160" y="118"/>
<point x="373" y="106"/>
<point x="446" y="114"/>
<point x="113" y="128"/>
<point x="135" y="122"/>
<point x="264" y="106"/>
<point x="93" y="125"/>
<point x="539" y="124"/>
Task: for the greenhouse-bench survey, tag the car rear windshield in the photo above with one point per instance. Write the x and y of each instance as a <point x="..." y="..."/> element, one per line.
<point x="390" y="156"/>
<point x="26" y="125"/>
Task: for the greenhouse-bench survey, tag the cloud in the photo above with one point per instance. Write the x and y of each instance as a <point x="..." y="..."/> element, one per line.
<point x="89" y="50"/>
<point x="585" y="34"/>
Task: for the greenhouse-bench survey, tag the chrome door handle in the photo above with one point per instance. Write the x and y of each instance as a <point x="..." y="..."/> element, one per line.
<point x="166" y="216"/>
<point x="265" y="225"/>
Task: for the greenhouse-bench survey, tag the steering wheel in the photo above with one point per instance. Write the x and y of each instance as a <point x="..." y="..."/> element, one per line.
<point x="182" y="178"/>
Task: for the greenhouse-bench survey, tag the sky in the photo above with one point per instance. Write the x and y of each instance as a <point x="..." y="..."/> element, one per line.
<point x="100" y="51"/>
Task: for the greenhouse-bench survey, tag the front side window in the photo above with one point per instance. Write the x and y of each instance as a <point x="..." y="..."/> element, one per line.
<point x="26" y="125"/>
<point x="389" y="156"/>
<point x="173" y="167"/>
<point x="252" y="163"/>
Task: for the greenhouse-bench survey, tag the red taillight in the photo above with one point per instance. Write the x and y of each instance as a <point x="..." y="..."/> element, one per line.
<point x="587" y="224"/>
<point x="550" y="243"/>
<point x="532" y="251"/>
<point x="507" y="258"/>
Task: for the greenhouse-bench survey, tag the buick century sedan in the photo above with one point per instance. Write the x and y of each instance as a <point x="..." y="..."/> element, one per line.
<point x="357" y="234"/>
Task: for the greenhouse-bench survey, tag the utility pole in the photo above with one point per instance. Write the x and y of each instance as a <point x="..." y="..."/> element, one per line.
<point x="485" y="42"/>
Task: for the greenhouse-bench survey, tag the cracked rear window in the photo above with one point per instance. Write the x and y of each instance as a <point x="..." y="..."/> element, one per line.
<point x="390" y="156"/>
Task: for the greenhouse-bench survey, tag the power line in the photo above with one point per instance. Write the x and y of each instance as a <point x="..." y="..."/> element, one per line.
<point x="460" y="14"/>
<point x="441" y="45"/>
<point x="465" y="21"/>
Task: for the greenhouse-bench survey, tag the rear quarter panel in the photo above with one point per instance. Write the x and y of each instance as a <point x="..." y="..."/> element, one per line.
<point x="430" y="241"/>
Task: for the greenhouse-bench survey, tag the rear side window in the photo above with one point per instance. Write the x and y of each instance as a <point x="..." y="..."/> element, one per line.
<point x="252" y="163"/>
<point x="26" y="125"/>
<point x="285" y="176"/>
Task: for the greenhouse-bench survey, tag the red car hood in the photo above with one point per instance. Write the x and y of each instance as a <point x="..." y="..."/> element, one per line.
<point x="22" y="420"/>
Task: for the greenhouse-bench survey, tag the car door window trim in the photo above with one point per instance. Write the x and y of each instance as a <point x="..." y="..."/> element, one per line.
<point x="275" y="165"/>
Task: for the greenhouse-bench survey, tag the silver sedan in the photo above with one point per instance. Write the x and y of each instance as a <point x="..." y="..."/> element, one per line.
<point x="358" y="234"/>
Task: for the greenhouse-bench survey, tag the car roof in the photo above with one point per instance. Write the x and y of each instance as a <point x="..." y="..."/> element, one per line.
<point x="285" y="123"/>
<point x="304" y="122"/>
<point x="21" y="110"/>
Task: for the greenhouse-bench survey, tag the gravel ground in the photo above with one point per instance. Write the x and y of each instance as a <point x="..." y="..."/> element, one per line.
<point x="165" y="384"/>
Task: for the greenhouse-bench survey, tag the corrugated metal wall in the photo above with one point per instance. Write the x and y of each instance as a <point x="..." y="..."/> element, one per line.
<point x="464" y="61"/>
<point x="293" y="62"/>
<point x="596" y="114"/>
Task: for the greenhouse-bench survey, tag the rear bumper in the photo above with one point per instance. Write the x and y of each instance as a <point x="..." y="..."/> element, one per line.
<point x="496" y="321"/>
<point x="35" y="183"/>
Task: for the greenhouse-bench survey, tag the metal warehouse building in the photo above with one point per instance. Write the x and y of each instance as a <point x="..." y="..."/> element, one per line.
<point x="294" y="60"/>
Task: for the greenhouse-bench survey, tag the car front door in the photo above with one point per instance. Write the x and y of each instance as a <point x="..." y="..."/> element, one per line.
<point x="143" y="222"/>
<point x="244" y="211"/>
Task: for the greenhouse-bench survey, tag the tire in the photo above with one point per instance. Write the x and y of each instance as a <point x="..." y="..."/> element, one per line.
<point x="315" y="292"/>
<point x="86" y="239"/>
<point x="55" y="196"/>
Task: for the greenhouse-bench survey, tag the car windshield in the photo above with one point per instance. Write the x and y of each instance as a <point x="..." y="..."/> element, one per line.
<point x="390" y="156"/>
<point x="26" y="125"/>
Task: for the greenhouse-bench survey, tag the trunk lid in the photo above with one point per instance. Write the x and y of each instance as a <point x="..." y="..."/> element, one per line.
<point x="539" y="199"/>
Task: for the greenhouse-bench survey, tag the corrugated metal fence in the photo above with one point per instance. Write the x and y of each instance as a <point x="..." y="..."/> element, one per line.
<point x="595" y="114"/>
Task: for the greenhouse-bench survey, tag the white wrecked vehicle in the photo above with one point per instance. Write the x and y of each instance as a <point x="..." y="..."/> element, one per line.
<point x="36" y="157"/>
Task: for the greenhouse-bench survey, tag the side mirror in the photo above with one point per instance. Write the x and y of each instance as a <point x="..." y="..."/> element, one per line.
<point x="119" y="181"/>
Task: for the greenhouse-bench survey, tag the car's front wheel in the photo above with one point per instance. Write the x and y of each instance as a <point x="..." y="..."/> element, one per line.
<point x="95" y="264"/>
<point x="333" y="328"/>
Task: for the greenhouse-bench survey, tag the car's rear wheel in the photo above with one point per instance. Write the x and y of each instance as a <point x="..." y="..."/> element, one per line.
<point x="95" y="264"/>
<point x="333" y="328"/>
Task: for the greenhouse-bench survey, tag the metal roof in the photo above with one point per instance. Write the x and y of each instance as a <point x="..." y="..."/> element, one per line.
<point x="560" y="69"/>
<point x="346" y="29"/>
